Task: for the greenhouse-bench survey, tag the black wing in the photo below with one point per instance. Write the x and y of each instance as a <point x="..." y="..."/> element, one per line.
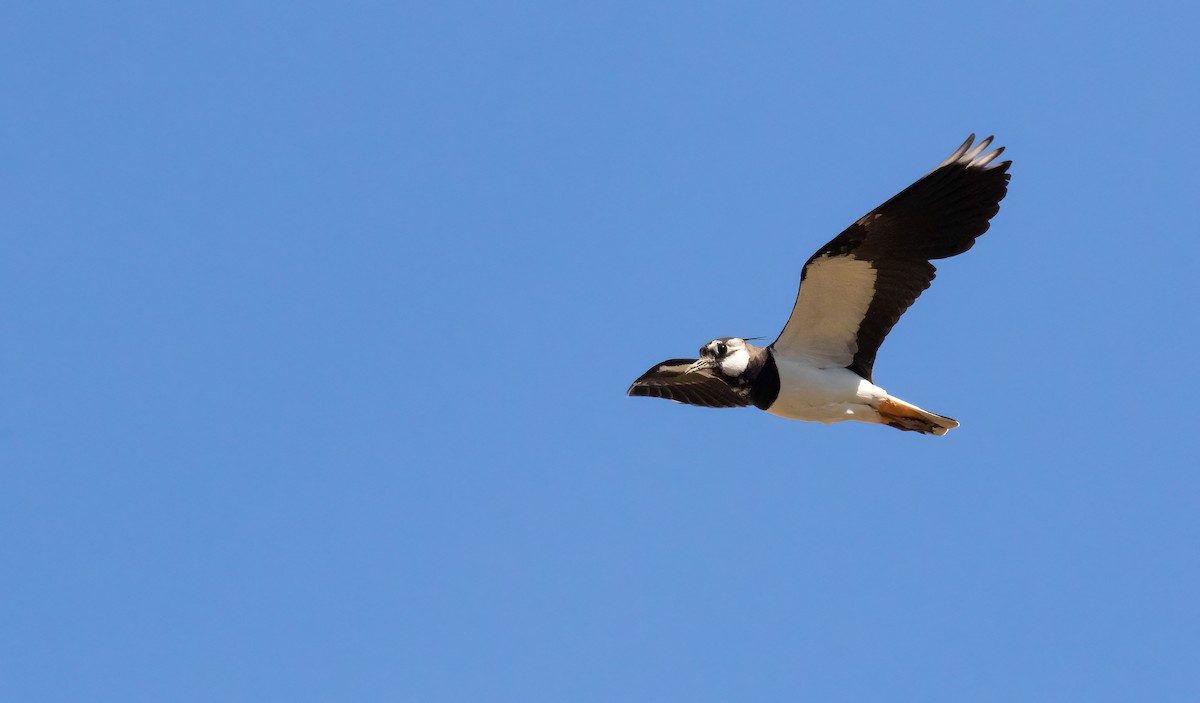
<point x="855" y="288"/>
<point x="668" y="380"/>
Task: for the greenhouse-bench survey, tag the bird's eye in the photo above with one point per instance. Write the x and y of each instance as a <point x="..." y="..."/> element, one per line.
<point x="720" y="348"/>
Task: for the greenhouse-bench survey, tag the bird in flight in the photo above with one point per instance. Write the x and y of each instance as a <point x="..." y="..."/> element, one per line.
<point x="852" y="291"/>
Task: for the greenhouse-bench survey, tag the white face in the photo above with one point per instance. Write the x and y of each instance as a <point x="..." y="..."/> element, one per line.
<point x="728" y="354"/>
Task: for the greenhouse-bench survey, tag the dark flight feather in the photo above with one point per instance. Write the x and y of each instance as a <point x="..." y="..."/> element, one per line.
<point x="668" y="380"/>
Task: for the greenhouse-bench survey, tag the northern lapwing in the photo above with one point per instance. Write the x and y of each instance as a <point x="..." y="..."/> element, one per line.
<point x="852" y="291"/>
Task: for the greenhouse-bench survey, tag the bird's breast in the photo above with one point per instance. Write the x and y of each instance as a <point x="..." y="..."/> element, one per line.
<point x="809" y="392"/>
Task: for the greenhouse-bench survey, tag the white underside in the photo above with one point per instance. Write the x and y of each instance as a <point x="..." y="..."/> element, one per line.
<point x="815" y="394"/>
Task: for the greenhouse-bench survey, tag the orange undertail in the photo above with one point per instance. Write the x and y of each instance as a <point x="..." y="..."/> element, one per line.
<point x="894" y="412"/>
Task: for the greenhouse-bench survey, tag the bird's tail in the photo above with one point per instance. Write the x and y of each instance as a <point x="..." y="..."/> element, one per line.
<point x="894" y="412"/>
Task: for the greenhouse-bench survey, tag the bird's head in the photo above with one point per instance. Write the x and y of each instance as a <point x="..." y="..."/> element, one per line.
<point x="728" y="356"/>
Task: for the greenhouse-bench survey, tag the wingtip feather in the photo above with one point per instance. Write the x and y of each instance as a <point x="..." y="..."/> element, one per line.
<point x="974" y="153"/>
<point x="959" y="151"/>
<point x="987" y="158"/>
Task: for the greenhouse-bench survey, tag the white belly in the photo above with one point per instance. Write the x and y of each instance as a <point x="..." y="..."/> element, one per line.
<point x="824" y="395"/>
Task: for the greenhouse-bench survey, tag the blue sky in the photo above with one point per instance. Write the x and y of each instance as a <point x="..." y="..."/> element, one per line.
<point x="318" y="319"/>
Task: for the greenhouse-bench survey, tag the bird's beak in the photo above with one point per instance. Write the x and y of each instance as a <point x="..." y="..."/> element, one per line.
<point x="700" y="364"/>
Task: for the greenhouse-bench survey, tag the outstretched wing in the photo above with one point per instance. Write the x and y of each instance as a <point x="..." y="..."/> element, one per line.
<point x="670" y="380"/>
<point x="855" y="288"/>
